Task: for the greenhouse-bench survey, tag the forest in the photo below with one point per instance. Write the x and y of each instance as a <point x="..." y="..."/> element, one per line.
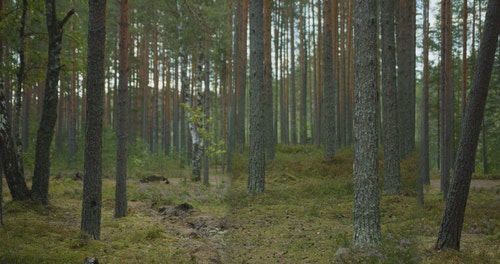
<point x="249" y="131"/>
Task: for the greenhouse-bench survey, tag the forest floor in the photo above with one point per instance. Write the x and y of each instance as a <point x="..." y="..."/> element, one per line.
<point x="304" y="216"/>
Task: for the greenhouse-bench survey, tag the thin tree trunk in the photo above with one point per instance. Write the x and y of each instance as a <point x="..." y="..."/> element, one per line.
<point x="268" y="87"/>
<point x="452" y="223"/>
<point x="303" y="76"/>
<point x="464" y="56"/>
<point x="293" y="107"/>
<point x="392" y="176"/>
<point x="446" y="97"/>
<point x="40" y="189"/>
<point x="319" y="87"/>
<point x="329" y="82"/>
<point x="122" y="115"/>
<point x="241" y="71"/>
<point x="10" y="161"/>
<point x="424" y="177"/>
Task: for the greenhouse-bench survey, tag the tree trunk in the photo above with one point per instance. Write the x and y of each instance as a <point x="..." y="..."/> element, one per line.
<point x="92" y="180"/>
<point x="424" y="170"/>
<point x="268" y="87"/>
<point x="293" y="108"/>
<point x="329" y="82"/>
<point x="446" y="97"/>
<point x="256" y="163"/>
<point x="9" y="155"/>
<point x="453" y="218"/>
<point x="406" y="75"/>
<point x="319" y="87"/>
<point x="121" y="122"/>
<point x="40" y="189"/>
<point x="241" y="71"/>
<point x="303" y="76"/>
<point x="366" y="198"/>
<point x="390" y="133"/>
<point x="156" y="90"/>
<point x="464" y="56"/>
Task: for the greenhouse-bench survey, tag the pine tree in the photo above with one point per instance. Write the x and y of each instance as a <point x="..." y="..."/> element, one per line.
<point x="366" y="198"/>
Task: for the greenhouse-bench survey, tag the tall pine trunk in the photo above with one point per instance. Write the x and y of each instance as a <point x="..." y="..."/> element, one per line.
<point x="328" y="82"/>
<point x="122" y="115"/>
<point x="92" y="180"/>
<point x="256" y="163"/>
<point x="390" y="133"/>
<point x="366" y="233"/>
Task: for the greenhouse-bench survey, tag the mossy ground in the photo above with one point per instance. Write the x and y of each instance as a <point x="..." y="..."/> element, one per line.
<point x="304" y="216"/>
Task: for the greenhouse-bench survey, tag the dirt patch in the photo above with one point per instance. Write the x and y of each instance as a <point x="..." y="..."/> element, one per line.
<point x="492" y="185"/>
<point x="201" y="232"/>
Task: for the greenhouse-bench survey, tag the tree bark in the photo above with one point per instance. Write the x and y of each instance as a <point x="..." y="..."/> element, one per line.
<point x="451" y="225"/>
<point x="446" y="110"/>
<point x="121" y="122"/>
<point x="256" y="164"/>
<point x="328" y="82"/>
<point x="40" y="189"/>
<point x="366" y="198"/>
<point x="92" y="180"/>
<point x="406" y="75"/>
<point x="390" y="133"/>
<point x="241" y="71"/>
<point x="268" y="87"/>
<point x="303" y="76"/>
<point x="8" y="154"/>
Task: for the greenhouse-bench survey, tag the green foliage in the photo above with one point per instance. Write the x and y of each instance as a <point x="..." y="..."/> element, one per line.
<point x="199" y="119"/>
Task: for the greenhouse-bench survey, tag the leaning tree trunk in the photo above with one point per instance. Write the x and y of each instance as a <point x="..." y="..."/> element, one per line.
<point x="456" y="201"/>
<point x="9" y="155"/>
<point x="40" y="189"/>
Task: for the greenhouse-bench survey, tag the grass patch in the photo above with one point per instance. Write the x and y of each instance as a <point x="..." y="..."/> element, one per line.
<point x="304" y="216"/>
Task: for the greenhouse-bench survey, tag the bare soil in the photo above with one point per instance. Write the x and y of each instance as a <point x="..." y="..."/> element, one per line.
<point x="475" y="184"/>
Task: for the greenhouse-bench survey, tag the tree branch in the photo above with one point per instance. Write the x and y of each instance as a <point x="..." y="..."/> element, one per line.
<point x="67" y="17"/>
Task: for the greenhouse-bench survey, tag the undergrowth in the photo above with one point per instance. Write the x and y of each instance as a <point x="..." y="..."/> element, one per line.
<point x="304" y="216"/>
